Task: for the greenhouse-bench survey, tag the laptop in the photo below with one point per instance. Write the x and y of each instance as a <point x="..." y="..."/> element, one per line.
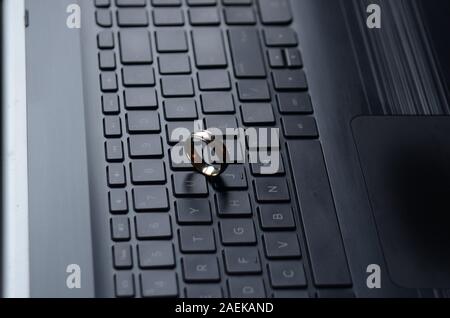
<point x="95" y="203"/>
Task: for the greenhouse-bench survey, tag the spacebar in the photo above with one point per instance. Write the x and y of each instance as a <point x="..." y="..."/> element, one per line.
<point x="326" y="250"/>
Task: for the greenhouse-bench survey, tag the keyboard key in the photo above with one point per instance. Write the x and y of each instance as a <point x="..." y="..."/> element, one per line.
<point x="275" y="11"/>
<point x="210" y="80"/>
<point x="138" y="75"/>
<point x="112" y="127"/>
<point x="257" y="114"/>
<point x="289" y="80"/>
<point x="153" y="226"/>
<point x="177" y="165"/>
<point x="177" y="86"/>
<point x="145" y="146"/>
<point x="237" y="232"/>
<point x="132" y="18"/>
<point x="143" y="122"/>
<point x="131" y="3"/>
<point x="300" y="127"/>
<point x="236" y="2"/>
<point x="281" y="245"/>
<point x="120" y="229"/>
<point x="242" y="260"/>
<point x="107" y="60"/>
<point x="148" y="171"/>
<point x="253" y="90"/>
<point x="140" y="98"/>
<point x="168" y="17"/>
<point x="108" y="82"/>
<point x="271" y="190"/>
<point x="161" y="283"/>
<point x="268" y="167"/>
<point x="213" y="103"/>
<point x="116" y="175"/>
<point x="294" y="58"/>
<point x="276" y="58"/>
<point x="179" y="131"/>
<point x="114" y="150"/>
<point x="233" y="178"/>
<point x="227" y="125"/>
<point x="156" y="254"/>
<point x="102" y="3"/>
<point x="209" y="49"/>
<point x="189" y="184"/>
<point x="287" y="274"/>
<point x="195" y="239"/>
<point x="201" y="2"/>
<point x="221" y="122"/>
<point x="204" y="16"/>
<point x="151" y="198"/>
<point x="323" y="236"/>
<point x="171" y="40"/>
<point x="264" y="139"/>
<point x="280" y="37"/>
<point x="294" y="103"/>
<point x="204" y="291"/>
<point x="276" y="217"/>
<point x="180" y="109"/>
<point x="122" y="256"/>
<point x="124" y="284"/>
<point x="166" y="3"/>
<point x="193" y="211"/>
<point x="233" y="204"/>
<point x="174" y="64"/>
<point x="110" y="104"/>
<point x="239" y="16"/>
<point x="135" y="47"/>
<point x="248" y="60"/>
<point x="200" y="268"/>
<point x="105" y="40"/>
<point x="118" y="201"/>
<point x="236" y="151"/>
<point x="246" y="287"/>
<point x="103" y="18"/>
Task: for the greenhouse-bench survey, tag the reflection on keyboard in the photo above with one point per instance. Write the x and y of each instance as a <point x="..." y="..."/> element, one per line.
<point x="231" y="63"/>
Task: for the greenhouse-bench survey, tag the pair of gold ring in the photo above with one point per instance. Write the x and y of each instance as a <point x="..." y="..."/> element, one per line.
<point x="197" y="159"/>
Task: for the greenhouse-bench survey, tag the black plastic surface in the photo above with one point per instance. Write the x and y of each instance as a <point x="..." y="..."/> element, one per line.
<point x="406" y="167"/>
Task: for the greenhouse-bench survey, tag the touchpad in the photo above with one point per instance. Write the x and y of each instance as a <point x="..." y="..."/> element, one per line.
<point x="406" y="165"/>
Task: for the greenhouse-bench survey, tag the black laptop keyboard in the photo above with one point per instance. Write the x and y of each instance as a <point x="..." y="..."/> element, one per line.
<point x="231" y="63"/>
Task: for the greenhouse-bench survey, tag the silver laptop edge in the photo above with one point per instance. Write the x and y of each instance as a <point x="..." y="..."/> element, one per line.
<point x="15" y="184"/>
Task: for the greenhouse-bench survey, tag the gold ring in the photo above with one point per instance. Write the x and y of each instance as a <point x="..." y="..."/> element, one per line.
<point x="197" y="160"/>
